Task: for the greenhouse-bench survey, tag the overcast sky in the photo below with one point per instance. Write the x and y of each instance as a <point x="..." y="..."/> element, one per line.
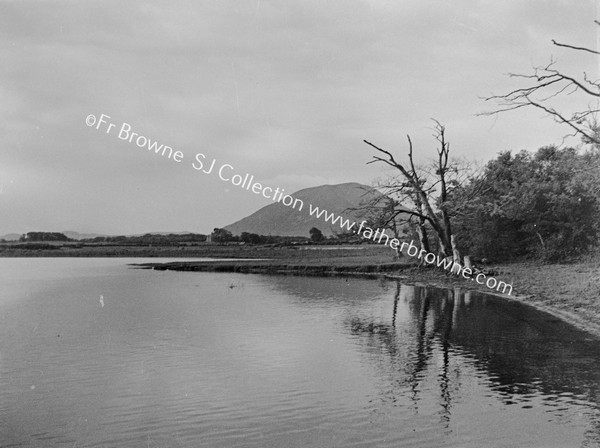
<point x="283" y="90"/>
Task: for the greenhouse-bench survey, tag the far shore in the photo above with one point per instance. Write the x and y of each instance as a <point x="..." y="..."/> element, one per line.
<point x="568" y="291"/>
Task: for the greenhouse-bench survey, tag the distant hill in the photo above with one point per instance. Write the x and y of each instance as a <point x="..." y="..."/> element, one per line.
<point x="88" y="236"/>
<point x="68" y="234"/>
<point x="10" y="237"/>
<point x="163" y="233"/>
<point x="277" y="219"/>
<point x="80" y="236"/>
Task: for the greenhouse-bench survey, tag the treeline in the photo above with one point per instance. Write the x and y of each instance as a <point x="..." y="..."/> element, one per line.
<point x="150" y="239"/>
<point x="543" y="205"/>
<point x="43" y="236"/>
<point x="139" y="240"/>
<point x="222" y="236"/>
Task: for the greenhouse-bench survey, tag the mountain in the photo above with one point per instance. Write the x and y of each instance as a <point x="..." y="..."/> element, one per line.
<point x="281" y="220"/>
<point x="80" y="236"/>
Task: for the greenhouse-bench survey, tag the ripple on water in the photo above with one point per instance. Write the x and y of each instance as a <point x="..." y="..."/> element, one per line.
<point x="183" y="360"/>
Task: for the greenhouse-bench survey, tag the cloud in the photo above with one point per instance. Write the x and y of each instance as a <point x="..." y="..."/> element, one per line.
<point x="284" y="90"/>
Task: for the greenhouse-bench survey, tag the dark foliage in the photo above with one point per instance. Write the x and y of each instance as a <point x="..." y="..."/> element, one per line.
<point x="43" y="236"/>
<point x="316" y="235"/>
<point x="544" y="205"/>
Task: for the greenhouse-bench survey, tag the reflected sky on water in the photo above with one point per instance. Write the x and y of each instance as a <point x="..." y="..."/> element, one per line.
<point x="93" y="353"/>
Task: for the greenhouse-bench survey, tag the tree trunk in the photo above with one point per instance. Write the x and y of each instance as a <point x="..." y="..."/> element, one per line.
<point x="468" y="262"/>
<point x="455" y="252"/>
<point x="423" y="239"/>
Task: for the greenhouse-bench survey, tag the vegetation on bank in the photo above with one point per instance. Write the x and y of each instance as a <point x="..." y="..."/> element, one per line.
<point x="54" y="240"/>
<point x="371" y="253"/>
<point x="542" y="205"/>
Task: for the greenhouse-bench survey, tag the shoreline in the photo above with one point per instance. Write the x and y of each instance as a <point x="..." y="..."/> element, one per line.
<point x="570" y="292"/>
<point x="583" y="318"/>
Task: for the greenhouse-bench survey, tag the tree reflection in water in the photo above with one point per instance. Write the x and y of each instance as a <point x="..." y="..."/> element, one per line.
<point x="522" y="352"/>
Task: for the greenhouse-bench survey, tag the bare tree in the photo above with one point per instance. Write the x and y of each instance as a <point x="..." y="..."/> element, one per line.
<point x="547" y="83"/>
<point x="419" y="190"/>
<point x="392" y="210"/>
<point x="389" y="211"/>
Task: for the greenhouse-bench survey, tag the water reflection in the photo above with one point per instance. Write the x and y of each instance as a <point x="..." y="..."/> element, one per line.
<point x="434" y="318"/>
<point x="527" y="358"/>
<point x="206" y="359"/>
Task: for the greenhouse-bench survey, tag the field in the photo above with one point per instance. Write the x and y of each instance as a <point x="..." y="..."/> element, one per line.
<point x="347" y="254"/>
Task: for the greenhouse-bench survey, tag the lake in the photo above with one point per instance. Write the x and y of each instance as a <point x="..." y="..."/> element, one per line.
<point x="94" y="353"/>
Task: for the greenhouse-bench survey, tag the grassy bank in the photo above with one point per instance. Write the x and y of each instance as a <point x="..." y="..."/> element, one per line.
<point x="302" y="254"/>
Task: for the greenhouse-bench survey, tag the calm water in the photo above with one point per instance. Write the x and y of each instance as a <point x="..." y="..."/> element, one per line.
<point x="95" y="354"/>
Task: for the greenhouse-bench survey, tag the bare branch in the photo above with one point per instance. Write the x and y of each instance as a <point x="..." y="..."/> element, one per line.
<point x="548" y="84"/>
<point x="560" y="118"/>
<point x="573" y="47"/>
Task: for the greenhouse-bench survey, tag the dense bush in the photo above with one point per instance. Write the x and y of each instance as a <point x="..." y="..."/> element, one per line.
<point x="544" y="205"/>
<point x="44" y="236"/>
